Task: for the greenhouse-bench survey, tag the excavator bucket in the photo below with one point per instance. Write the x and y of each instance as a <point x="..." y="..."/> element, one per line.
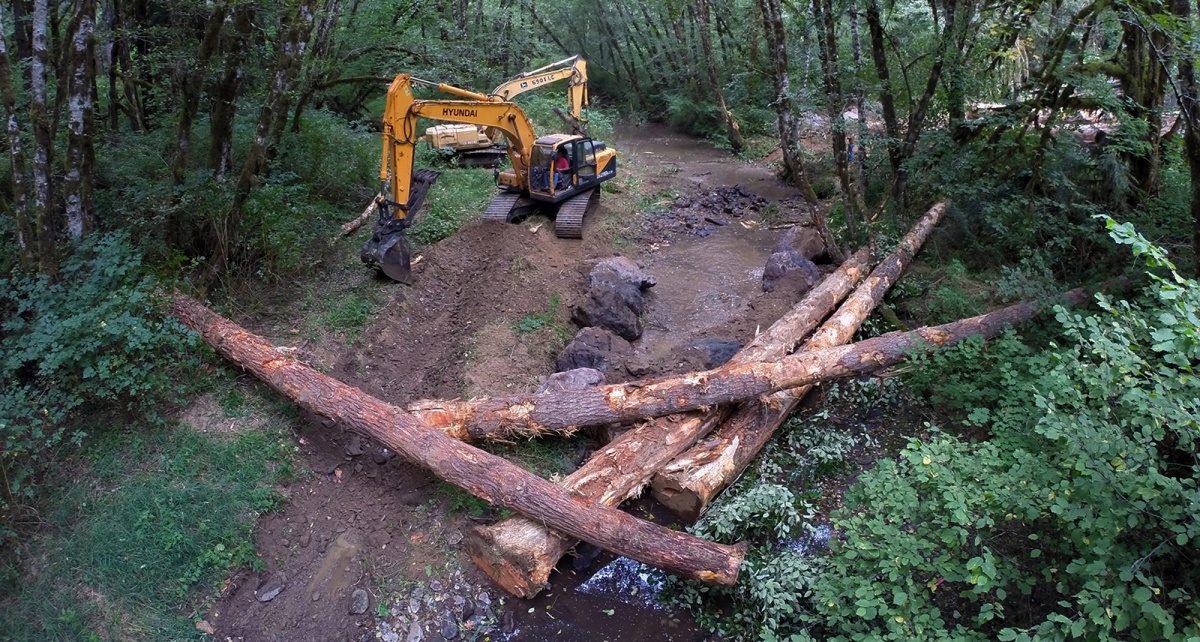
<point x="387" y="249"/>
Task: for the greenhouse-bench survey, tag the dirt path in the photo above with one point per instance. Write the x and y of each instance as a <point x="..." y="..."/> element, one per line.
<point x="487" y="314"/>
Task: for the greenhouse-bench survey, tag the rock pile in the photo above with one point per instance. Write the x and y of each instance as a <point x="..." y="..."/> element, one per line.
<point x="610" y="316"/>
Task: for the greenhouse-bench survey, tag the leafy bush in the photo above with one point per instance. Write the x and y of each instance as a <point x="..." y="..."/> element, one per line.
<point x="458" y="197"/>
<point x="1071" y="510"/>
<point x="1077" y="518"/>
<point x="92" y="341"/>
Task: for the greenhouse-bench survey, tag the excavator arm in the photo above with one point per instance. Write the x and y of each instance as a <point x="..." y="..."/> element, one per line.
<point x="402" y="189"/>
<point x="573" y="68"/>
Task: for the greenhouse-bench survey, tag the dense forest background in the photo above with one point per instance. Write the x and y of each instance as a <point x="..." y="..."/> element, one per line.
<point x="203" y="145"/>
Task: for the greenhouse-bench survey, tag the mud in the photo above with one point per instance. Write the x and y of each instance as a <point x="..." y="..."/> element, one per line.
<point x="487" y="314"/>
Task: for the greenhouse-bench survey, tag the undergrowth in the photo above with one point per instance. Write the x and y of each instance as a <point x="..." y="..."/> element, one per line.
<point x="1057" y="501"/>
<point x="139" y="521"/>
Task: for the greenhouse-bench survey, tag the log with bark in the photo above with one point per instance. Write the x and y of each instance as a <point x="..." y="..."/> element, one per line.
<point x="565" y="412"/>
<point x="482" y="474"/>
<point x="691" y="481"/>
<point x="519" y="554"/>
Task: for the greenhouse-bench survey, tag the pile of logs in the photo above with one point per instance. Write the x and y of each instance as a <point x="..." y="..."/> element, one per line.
<point x="694" y="434"/>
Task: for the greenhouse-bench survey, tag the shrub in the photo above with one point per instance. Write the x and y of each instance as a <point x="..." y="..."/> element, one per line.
<point x="93" y="341"/>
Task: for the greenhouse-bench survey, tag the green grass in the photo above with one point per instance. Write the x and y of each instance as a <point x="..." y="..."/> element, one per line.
<point x="142" y="523"/>
<point x="534" y="322"/>
<point x="458" y="197"/>
<point x="347" y="315"/>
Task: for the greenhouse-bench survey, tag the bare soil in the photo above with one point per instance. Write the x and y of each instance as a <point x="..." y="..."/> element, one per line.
<point x="487" y="314"/>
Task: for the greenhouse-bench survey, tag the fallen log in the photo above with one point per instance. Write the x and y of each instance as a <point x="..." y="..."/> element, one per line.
<point x="687" y="484"/>
<point x="565" y="412"/>
<point x="519" y="554"/>
<point x="482" y="474"/>
<point x="350" y="226"/>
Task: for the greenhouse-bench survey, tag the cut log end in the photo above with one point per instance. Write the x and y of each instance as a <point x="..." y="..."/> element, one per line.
<point x="680" y="500"/>
<point x="521" y="575"/>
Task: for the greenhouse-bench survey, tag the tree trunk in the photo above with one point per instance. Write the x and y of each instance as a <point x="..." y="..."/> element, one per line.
<point x="192" y="86"/>
<point x="220" y="149"/>
<point x="691" y="481"/>
<point x="317" y="52"/>
<point x="43" y="147"/>
<point x="785" y="121"/>
<point x="482" y="474"/>
<point x="125" y="70"/>
<point x="16" y="152"/>
<point x="828" y="53"/>
<point x="734" y="133"/>
<point x="519" y="554"/>
<point x="860" y="103"/>
<point x="887" y="100"/>
<point x="79" y="180"/>
<point x="289" y="53"/>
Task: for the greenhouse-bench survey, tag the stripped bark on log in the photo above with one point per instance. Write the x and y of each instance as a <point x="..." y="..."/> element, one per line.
<point x="482" y="474"/>
<point x="519" y="554"/>
<point x="688" y="484"/>
<point x="565" y="412"/>
<point x="691" y="481"/>
<point x="350" y="226"/>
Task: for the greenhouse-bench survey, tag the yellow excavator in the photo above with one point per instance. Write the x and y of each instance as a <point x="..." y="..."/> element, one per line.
<point x="559" y="174"/>
<point x="481" y="146"/>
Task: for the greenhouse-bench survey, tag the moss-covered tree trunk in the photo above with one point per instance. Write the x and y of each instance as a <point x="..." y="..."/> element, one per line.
<point x="79" y="178"/>
<point x="43" y="146"/>
<point x="192" y="85"/>
<point x="26" y="239"/>
<point x="224" y="98"/>
<point x="289" y="53"/>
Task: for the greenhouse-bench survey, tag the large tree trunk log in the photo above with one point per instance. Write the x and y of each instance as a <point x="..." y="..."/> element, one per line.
<point x="691" y="481"/>
<point x="482" y="474"/>
<point x="688" y="484"/>
<point x="519" y="554"/>
<point x="566" y="412"/>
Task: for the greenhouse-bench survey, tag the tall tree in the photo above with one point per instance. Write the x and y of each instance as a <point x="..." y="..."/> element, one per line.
<point x="828" y="52"/>
<point x="224" y="98"/>
<point x="80" y="158"/>
<point x="43" y="145"/>
<point x="16" y="153"/>
<point x="732" y="130"/>
<point x="785" y="112"/>
<point x="192" y="84"/>
<point x="289" y="54"/>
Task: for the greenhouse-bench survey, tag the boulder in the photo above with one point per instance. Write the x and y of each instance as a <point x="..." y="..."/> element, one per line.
<point x="614" y="306"/>
<point x="788" y="268"/>
<point x="716" y="352"/>
<point x="597" y="349"/>
<point x="806" y="241"/>
<point x="614" y="297"/>
<point x="574" y="379"/>
<point x="621" y="270"/>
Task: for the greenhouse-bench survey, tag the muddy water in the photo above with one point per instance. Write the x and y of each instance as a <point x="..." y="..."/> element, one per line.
<point x="703" y="284"/>
<point x="695" y="162"/>
<point x="611" y="600"/>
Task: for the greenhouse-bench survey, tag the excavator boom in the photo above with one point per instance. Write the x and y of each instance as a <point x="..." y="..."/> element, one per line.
<point x="403" y="190"/>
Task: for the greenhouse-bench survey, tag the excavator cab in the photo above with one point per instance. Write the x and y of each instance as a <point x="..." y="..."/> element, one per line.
<point x="562" y="166"/>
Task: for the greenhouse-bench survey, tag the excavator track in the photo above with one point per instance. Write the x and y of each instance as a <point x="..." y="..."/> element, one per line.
<point x="568" y="223"/>
<point x="501" y="207"/>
